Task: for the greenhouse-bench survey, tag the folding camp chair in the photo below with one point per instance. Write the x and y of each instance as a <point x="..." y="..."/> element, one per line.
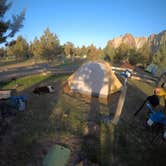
<point x="155" y="124"/>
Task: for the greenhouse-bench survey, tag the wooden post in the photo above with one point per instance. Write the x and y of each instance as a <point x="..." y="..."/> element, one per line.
<point x="120" y="104"/>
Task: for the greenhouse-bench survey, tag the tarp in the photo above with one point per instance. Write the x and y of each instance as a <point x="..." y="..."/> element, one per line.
<point x="57" y="156"/>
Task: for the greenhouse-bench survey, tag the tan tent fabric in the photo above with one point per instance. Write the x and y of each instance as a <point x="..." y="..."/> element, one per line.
<point x="93" y="79"/>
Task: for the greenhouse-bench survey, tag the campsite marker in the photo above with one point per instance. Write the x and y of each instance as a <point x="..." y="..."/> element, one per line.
<point x="126" y="74"/>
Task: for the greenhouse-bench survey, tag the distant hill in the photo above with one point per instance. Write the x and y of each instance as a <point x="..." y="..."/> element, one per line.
<point x="154" y="41"/>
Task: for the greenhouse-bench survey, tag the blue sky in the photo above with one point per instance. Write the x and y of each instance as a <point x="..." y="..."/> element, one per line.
<point x="90" y="21"/>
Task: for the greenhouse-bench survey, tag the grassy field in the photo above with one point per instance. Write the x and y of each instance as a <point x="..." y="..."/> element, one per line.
<point x="24" y="82"/>
<point x="59" y="118"/>
<point x="10" y="64"/>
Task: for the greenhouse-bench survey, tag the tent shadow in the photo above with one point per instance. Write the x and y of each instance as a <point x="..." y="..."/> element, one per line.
<point x="91" y="141"/>
<point x="93" y="77"/>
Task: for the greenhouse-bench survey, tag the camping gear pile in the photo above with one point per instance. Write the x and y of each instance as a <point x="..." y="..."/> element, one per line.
<point x="10" y="105"/>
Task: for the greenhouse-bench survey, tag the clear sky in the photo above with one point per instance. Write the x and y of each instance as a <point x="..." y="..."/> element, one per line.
<point x="91" y="21"/>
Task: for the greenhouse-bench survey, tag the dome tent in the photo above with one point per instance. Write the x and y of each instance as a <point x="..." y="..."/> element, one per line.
<point x="152" y="68"/>
<point x="93" y="79"/>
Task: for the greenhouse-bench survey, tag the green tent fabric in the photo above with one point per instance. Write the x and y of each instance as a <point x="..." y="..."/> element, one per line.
<point x="152" y="68"/>
<point x="155" y="70"/>
<point x="57" y="156"/>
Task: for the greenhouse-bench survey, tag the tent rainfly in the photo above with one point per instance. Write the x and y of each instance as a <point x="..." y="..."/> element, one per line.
<point x="93" y="79"/>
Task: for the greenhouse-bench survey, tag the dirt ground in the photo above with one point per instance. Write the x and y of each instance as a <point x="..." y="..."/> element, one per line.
<point x="59" y="118"/>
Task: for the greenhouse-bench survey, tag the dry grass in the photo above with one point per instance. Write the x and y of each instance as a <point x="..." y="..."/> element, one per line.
<point x="60" y="117"/>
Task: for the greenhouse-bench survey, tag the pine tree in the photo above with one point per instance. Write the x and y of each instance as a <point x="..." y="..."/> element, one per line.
<point x="49" y="44"/>
<point x="69" y="49"/>
<point x="84" y="51"/>
<point x="34" y="48"/>
<point x="109" y="52"/>
<point x="19" y="50"/>
<point x="145" y="54"/>
<point x="92" y="52"/>
<point x="8" y="28"/>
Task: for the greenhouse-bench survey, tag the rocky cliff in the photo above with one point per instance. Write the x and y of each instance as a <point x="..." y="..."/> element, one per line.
<point x="127" y="39"/>
<point x="154" y="41"/>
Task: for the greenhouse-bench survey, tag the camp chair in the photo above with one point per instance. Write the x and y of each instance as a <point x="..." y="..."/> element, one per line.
<point x="152" y="100"/>
<point x="160" y="91"/>
<point x="153" y="121"/>
<point x="157" y="122"/>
